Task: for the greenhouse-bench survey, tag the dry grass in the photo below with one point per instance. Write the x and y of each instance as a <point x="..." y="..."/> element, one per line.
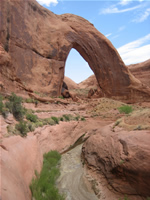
<point x="138" y="119"/>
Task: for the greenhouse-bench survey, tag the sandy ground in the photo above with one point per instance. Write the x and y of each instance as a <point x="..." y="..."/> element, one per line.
<point x="73" y="182"/>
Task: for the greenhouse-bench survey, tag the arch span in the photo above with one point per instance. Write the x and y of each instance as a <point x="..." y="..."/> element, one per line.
<point x="112" y="75"/>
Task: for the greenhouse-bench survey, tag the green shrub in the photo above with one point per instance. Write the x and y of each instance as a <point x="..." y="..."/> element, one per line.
<point x="43" y="186"/>
<point x="9" y="105"/>
<point x="22" y="128"/>
<point x="56" y="120"/>
<point x="66" y="117"/>
<point x="15" y="107"/>
<point x="1" y="98"/>
<point x="77" y="118"/>
<point x="61" y="97"/>
<point x="1" y="106"/>
<point x="29" y="111"/>
<point x="5" y="112"/>
<point x="12" y="130"/>
<point x="82" y="118"/>
<point x="61" y="119"/>
<point x="40" y="124"/>
<point x="125" y="109"/>
<point x="29" y="100"/>
<point x="48" y="121"/>
<point x="31" y="127"/>
<point x="32" y="117"/>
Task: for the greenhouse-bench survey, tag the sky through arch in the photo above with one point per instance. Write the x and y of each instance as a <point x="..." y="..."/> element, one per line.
<point x="76" y="67"/>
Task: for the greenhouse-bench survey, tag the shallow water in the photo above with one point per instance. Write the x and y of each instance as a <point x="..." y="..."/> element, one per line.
<point x="72" y="181"/>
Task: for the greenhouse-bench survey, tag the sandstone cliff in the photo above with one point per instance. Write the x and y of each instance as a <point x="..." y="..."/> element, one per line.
<point x="141" y="71"/>
<point x="38" y="43"/>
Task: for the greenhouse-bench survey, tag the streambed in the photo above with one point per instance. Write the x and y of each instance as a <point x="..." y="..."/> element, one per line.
<point x="73" y="181"/>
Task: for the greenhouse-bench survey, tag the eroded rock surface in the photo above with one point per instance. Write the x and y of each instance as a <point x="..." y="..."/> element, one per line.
<point x="141" y="71"/>
<point x="20" y="157"/>
<point x="38" y="42"/>
<point x="123" y="157"/>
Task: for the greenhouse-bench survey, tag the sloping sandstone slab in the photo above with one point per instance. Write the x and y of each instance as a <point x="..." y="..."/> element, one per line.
<point x="123" y="157"/>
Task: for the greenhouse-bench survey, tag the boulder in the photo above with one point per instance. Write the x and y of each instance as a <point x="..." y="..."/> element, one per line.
<point x="123" y="157"/>
<point x="70" y="83"/>
<point x="65" y="93"/>
<point x="90" y="82"/>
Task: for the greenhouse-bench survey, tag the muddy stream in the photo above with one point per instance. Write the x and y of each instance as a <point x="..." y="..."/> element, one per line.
<point x="73" y="181"/>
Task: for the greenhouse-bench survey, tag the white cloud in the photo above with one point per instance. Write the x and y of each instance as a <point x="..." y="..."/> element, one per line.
<point x="115" y="36"/>
<point x="109" y="34"/>
<point x="136" y="51"/>
<point x="124" y="2"/>
<point x="121" y="28"/>
<point x="143" y="17"/>
<point x="114" y="9"/>
<point x="47" y="2"/>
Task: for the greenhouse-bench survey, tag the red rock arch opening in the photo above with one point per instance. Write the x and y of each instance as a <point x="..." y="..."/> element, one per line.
<point x="76" y="67"/>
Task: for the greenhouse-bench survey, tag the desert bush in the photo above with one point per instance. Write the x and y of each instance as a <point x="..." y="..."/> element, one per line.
<point x="1" y="104"/>
<point x="38" y="124"/>
<point x="125" y="109"/>
<point x="43" y="185"/>
<point x="5" y="112"/>
<point x="15" y="106"/>
<point x="82" y="118"/>
<point x="9" y="105"/>
<point x="61" y="97"/>
<point x="31" y="126"/>
<point x="31" y="117"/>
<point x="68" y="117"/>
<point x="29" y="100"/>
<point x="22" y="128"/>
<point x="12" y="130"/>
<point x="61" y="119"/>
<point x="77" y="118"/>
<point x="49" y="121"/>
<point x="56" y="120"/>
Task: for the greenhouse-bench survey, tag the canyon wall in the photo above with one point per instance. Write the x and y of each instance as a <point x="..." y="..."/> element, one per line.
<point x="38" y="43"/>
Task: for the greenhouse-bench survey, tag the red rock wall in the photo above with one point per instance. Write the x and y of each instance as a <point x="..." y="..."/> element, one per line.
<point x="38" y="42"/>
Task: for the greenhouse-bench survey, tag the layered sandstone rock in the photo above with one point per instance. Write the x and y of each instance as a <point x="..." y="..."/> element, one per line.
<point x="90" y="82"/>
<point x="20" y="157"/>
<point x="70" y="83"/>
<point x="141" y="71"/>
<point x="123" y="157"/>
<point x="38" y="42"/>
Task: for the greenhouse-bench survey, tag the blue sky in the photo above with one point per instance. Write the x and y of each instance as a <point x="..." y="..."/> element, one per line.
<point x="126" y="23"/>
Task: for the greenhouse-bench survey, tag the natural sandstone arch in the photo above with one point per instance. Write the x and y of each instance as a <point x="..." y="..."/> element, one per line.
<point x="112" y="75"/>
<point x="39" y="43"/>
